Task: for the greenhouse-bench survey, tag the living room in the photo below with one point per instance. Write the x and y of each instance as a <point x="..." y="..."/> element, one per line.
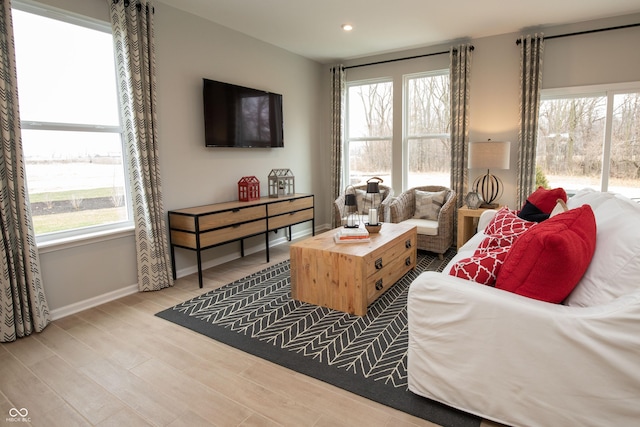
<point x="189" y="48"/>
<point x="79" y="276"/>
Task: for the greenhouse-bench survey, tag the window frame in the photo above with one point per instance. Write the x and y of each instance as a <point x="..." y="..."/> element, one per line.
<point x="72" y="237"/>
<point x="609" y="91"/>
<point x="405" y="120"/>
<point x="346" y="172"/>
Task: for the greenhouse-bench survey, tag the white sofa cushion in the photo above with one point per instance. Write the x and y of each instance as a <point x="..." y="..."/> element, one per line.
<point x="615" y="267"/>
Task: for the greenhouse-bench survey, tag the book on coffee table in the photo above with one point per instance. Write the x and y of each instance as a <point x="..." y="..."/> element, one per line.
<point x="352" y="235"/>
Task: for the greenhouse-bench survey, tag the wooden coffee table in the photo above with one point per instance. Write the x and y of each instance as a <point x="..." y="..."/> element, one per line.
<point x="350" y="276"/>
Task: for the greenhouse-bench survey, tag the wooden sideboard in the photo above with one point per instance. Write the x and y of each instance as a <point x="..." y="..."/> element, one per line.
<point x="203" y="227"/>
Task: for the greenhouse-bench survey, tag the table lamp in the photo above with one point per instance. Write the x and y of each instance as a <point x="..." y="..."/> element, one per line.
<point x="489" y="155"/>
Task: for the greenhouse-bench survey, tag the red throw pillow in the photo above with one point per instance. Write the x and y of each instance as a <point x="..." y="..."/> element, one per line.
<point x="546" y="200"/>
<point x="482" y="267"/>
<point x="549" y="260"/>
<point x="505" y="222"/>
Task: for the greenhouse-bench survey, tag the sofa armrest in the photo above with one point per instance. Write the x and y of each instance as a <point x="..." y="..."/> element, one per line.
<point x="485" y="218"/>
<point x="579" y="364"/>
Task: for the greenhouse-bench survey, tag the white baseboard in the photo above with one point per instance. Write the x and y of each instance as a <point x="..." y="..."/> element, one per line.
<point x="92" y="302"/>
<point x="132" y="289"/>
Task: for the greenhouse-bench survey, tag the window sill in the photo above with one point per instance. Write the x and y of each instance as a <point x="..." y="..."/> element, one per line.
<point x="86" y="239"/>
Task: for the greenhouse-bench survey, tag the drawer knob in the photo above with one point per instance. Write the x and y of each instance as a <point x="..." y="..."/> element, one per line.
<point x="407" y="261"/>
<point x="235" y="210"/>
<point x="407" y="244"/>
<point x="378" y="263"/>
<point x="379" y="285"/>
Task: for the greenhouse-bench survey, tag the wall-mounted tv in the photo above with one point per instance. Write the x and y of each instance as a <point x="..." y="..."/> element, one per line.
<point x="236" y="116"/>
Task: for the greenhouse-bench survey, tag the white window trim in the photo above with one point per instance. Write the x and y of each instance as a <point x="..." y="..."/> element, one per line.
<point x="89" y="235"/>
<point x="346" y="172"/>
<point x="405" y="121"/>
<point x="604" y="90"/>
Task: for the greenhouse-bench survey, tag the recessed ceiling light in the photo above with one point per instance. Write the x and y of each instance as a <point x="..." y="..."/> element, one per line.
<point x="347" y="27"/>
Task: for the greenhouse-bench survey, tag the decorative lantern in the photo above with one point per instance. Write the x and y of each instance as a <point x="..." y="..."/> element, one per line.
<point x="351" y="218"/>
<point x="281" y="183"/>
<point x="248" y="188"/>
<point x="373" y="200"/>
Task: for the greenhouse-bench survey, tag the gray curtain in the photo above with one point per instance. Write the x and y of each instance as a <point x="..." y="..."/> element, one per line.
<point x="531" y="51"/>
<point x="459" y="76"/>
<point x="23" y="306"/>
<point x="337" y="109"/>
<point x="132" y="23"/>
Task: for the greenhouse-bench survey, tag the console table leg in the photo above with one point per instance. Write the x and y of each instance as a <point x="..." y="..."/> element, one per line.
<point x="199" y="268"/>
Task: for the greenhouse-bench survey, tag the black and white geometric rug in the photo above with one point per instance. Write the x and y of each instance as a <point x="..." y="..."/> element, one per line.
<point x="365" y="355"/>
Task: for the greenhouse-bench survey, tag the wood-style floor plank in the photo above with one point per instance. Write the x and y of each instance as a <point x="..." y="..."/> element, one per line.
<point x="117" y="364"/>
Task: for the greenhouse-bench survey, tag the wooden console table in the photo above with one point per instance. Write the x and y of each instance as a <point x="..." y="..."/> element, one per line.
<point x="203" y="227"/>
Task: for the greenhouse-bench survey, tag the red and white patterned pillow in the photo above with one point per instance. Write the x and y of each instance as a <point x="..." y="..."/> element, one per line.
<point x="482" y="267"/>
<point x="502" y="231"/>
<point x="506" y="222"/>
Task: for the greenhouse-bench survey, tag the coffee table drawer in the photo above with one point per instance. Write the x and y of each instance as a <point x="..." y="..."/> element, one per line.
<point x="379" y="282"/>
<point x="382" y="257"/>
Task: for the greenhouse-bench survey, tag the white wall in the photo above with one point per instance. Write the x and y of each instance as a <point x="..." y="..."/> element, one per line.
<point x="189" y="49"/>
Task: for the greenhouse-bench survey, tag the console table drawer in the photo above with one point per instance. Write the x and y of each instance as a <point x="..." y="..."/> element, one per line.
<point x="289" y="219"/>
<point x="285" y="206"/>
<point x="217" y="219"/>
<point x="235" y="232"/>
<point x="235" y="216"/>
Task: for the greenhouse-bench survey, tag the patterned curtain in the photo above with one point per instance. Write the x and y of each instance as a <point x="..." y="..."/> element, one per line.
<point x="132" y="24"/>
<point x="531" y="50"/>
<point x="337" y="108"/>
<point x="23" y="306"/>
<point x="459" y="76"/>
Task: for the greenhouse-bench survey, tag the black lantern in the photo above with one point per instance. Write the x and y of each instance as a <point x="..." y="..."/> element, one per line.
<point x="373" y="200"/>
<point x="351" y="217"/>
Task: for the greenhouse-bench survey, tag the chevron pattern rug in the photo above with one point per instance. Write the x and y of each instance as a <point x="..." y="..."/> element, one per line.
<point x="365" y="355"/>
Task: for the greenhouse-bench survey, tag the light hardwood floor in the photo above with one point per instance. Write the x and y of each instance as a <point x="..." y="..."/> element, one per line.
<point x="119" y="365"/>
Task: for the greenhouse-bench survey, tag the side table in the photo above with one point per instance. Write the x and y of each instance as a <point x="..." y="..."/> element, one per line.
<point x="467" y="223"/>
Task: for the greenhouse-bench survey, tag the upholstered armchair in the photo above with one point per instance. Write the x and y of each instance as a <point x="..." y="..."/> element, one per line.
<point x="386" y="194"/>
<point x="435" y="231"/>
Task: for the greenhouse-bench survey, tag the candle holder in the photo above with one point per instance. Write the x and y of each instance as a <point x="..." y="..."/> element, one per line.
<point x="373" y="199"/>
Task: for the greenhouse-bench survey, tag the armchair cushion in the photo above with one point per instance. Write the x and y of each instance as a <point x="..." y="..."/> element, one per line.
<point x="428" y="204"/>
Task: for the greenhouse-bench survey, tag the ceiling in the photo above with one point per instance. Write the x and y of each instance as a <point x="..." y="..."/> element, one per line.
<point x="312" y="28"/>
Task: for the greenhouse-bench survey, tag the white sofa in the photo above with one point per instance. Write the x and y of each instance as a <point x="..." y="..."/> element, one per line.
<point x="524" y="362"/>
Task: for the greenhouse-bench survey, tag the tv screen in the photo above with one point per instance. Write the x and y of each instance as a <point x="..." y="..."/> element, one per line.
<point x="236" y="116"/>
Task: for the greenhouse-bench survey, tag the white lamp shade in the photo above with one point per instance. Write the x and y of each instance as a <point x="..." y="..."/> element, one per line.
<point x="489" y="154"/>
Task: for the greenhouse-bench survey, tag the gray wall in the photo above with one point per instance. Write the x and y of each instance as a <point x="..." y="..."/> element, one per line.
<point x="189" y="48"/>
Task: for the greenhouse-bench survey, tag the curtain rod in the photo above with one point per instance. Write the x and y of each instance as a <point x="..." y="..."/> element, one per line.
<point x="400" y="59"/>
<point x="578" y="33"/>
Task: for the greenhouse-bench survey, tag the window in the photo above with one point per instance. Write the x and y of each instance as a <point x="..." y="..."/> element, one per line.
<point x="590" y="137"/>
<point x="370" y="135"/>
<point x="369" y="131"/>
<point x="427" y="123"/>
<point x="71" y="130"/>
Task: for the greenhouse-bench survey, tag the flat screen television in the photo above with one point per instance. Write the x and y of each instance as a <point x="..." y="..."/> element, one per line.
<point x="237" y="116"/>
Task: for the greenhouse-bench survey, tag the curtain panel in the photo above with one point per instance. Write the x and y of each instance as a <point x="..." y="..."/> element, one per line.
<point x="337" y="111"/>
<point x="459" y="76"/>
<point x="133" y="34"/>
<point x="531" y="51"/>
<point x="23" y="305"/>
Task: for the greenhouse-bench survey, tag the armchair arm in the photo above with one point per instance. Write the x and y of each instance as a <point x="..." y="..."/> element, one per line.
<point x="545" y="364"/>
<point x="338" y="210"/>
<point x="445" y="216"/>
<point x="402" y="207"/>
